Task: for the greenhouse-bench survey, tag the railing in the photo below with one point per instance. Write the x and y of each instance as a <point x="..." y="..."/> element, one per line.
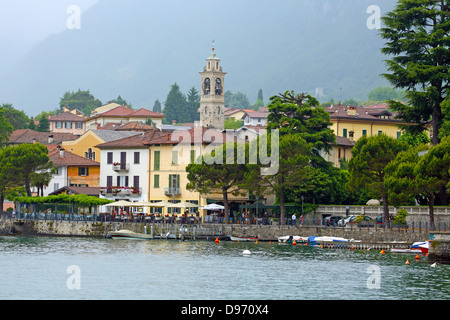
<point x="120" y="191"/>
<point x="121" y="166"/>
<point x="269" y="222"/>
<point x="172" y="191"/>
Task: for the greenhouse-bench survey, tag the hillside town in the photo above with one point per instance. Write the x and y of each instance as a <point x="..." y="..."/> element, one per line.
<point x="118" y="153"/>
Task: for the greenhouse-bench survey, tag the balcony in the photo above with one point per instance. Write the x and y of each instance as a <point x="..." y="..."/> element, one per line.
<point x="117" y="166"/>
<point x="120" y="191"/>
<point x="172" y="191"/>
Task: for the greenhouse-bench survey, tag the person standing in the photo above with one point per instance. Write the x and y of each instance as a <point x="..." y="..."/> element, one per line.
<point x="294" y="217"/>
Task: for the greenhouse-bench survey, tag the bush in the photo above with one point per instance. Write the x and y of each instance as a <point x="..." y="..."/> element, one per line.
<point x="400" y="218"/>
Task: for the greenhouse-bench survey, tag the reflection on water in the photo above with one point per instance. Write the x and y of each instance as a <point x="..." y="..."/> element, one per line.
<point x="36" y="268"/>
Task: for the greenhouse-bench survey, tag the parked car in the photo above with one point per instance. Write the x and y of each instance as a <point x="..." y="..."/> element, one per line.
<point x="348" y="219"/>
<point x="332" y="220"/>
<point x="380" y="219"/>
<point x="364" y="221"/>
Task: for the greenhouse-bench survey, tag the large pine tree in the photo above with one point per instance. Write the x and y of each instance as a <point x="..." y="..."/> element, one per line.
<point x="175" y="106"/>
<point x="417" y="43"/>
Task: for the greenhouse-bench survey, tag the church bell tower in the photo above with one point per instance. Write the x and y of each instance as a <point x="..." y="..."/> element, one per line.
<point x="212" y="99"/>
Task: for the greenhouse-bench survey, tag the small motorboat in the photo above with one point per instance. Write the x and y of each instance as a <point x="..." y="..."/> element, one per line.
<point x="315" y="241"/>
<point x="425" y="247"/>
<point x="291" y="239"/>
<point x="127" y="234"/>
<point x="252" y="239"/>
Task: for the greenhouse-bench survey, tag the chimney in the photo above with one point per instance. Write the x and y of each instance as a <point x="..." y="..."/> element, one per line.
<point x="50" y="139"/>
<point x="61" y="152"/>
<point x="351" y="111"/>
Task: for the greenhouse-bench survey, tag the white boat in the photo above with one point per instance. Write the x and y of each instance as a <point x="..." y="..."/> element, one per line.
<point x="252" y="239"/>
<point x="313" y="241"/>
<point x="291" y="239"/>
<point x="127" y="234"/>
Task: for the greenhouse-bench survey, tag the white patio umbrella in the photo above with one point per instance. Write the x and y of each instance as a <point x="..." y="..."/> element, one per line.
<point x="213" y="206"/>
<point x="183" y="205"/>
<point x="121" y="203"/>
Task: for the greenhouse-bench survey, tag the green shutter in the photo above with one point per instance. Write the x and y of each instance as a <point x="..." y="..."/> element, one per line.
<point x="156" y="160"/>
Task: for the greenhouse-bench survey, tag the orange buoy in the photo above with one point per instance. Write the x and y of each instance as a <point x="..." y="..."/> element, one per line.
<point x="382" y="251"/>
<point x="294" y="243"/>
<point x="256" y="242"/>
<point x="407" y="262"/>
<point x="217" y="240"/>
<point x="417" y="257"/>
<point x="353" y="248"/>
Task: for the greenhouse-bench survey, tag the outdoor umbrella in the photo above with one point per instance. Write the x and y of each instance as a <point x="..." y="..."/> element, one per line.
<point x="121" y="203"/>
<point x="213" y="206"/>
<point x="183" y="205"/>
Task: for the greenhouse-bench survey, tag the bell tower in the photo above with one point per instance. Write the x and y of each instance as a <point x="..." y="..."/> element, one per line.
<point x="212" y="99"/>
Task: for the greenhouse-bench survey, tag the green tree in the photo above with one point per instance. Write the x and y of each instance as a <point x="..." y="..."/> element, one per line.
<point x="260" y="95"/>
<point x="433" y="174"/>
<point x="44" y="123"/>
<point x="83" y="101"/>
<point x="217" y="173"/>
<point x="384" y="94"/>
<point x="175" y="105"/>
<point x="157" y="107"/>
<point x="17" y="118"/>
<point x="417" y="43"/>
<point x="236" y="100"/>
<point x="5" y="129"/>
<point x="370" y="156"/>
<point x="193" y="104"/>
<point x="232" y="123"/>
<point x="24" y="160"/>
<point x="301" y="114"/>
<point x="121" y="101"/>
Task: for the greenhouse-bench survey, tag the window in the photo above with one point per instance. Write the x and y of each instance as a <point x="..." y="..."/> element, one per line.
<point x="109" y="157"/>
<point x="89" y="154"/>
<point x="122" y="181"/>
<point x="83" y="171"/>
<point x="109" y="181"/>
<point x="156" y="160"/>
<point x="174" y="157"/>
<point x="156" y="181"/>
<point x="399" y="134"/>
<point x="192" y="156"/>
<point x="136" y="182"/>
<point x="364" y="132"/>
<point x="59" y="125"/>
<point x="344" y="133"/>
<point x="58" y="171"/>
<point x="68" y="125"/>
<point x="380" y="132"/>
<point x="136" y="157"/>
<point x="174" y="180"/>
<point x="55" y="186"/>
<point x="78" y="125"/>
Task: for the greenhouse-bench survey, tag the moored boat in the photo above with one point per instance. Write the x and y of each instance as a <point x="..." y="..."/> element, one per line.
<point x="232" y="238"/>
<point x="315" y="241"/>
<point x="291" y="239"/>
<point x="127" y="234"/>
<point x="425" y="247"/>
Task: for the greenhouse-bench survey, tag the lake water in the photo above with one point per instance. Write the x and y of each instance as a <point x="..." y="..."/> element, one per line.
<point x="79" y="268"/>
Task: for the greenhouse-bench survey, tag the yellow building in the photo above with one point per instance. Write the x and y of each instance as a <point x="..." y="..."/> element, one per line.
<point x="350" y="123"/>
<point x="353" y="122"/>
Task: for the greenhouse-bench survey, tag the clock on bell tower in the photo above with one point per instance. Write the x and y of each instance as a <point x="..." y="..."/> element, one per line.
<point x="212" y="99"/>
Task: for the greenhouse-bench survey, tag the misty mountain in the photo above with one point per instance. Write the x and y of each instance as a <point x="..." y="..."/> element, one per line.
<point x="138" y="49"/>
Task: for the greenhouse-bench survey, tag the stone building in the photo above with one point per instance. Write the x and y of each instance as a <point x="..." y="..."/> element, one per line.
<point x="212" y="99"/>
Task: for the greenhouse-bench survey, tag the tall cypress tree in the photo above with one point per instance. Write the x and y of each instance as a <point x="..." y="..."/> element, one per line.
<point x="175" y="106"/>
<point x="193" y="104"/>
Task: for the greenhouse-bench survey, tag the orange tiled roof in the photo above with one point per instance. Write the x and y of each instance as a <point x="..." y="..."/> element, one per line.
<point x="69" y="159"/>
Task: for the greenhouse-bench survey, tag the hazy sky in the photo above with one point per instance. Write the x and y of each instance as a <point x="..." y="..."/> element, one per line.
<point x="24" y="23"/>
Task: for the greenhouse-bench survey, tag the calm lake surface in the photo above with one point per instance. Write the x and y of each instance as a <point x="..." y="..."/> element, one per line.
<point x="43" y="268"/>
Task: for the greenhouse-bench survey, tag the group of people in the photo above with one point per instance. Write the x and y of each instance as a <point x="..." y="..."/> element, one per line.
<point x="294" y="219"/>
